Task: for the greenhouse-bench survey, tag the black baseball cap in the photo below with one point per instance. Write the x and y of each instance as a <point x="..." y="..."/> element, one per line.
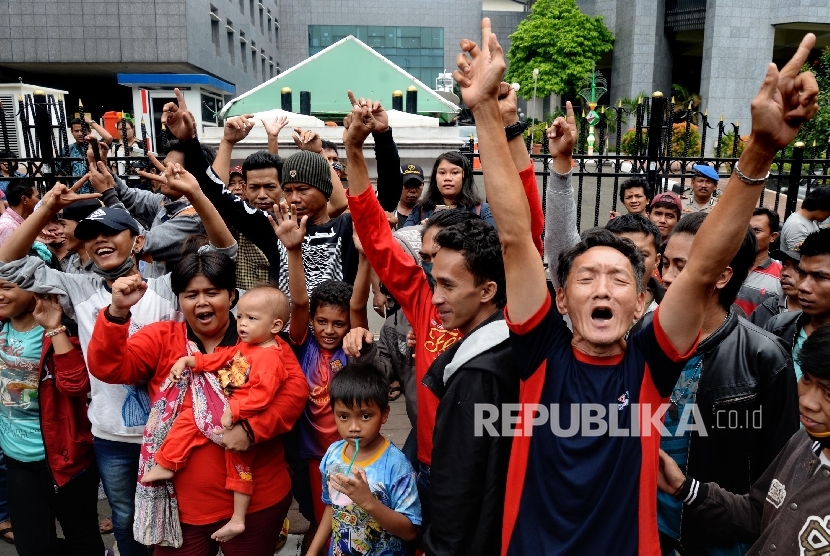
<point x="781" y="254"/>
<point x="79" y="210"/>
<point x="412" y="172"/>
<point x="106" y="219"/>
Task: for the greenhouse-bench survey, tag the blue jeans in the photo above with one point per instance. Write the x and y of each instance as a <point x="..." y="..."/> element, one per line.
<point x="118" y="467"/>
<point x="423" y="494"/>
<point x="4" y="504"/>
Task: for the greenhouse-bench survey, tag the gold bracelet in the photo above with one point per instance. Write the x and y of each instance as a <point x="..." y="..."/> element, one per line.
<point x="59" y="330"/>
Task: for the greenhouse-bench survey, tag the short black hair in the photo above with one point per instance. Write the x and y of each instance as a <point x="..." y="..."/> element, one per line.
<point x="817" y="199"/>
<point x="600" y="237"/>
<point x="635" y="182"/>
<point x="357" y="384"/>
<point x="740" y="264"/>
<point x="449" y="217"/>
<point x="260" y="160"/>
<point x="478" y="242"/>
<point x="17" y="189"/>
<point x="76" y="121"/>
<point x="816" y="243"/>
<point x="174" y="145"/>
<point x="773" y="219"/>
<point x="666" y="205"/>
<point x="330" y="146"/>
<point x="217" y="267"/>
<point x="633" y="224"/>
<point x="815" y="353"/>
<point x="332" y="293"/>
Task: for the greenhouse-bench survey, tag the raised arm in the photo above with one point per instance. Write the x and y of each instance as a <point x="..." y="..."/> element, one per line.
<point x="480" y="78"/>
<point x="106" y="137"/>
<point x="291" y="233"/>
<point x="236" y="129"/>
<point x="179" y="179"/>
<point x="560" y="220"/>
<point x="60" y="196"/>
<point x="360" y="292"/>
<point x="272" y="130"/>
<point x="509" y="107"/>
<point x="784" y="102"/>
<point x="390" y="180"/>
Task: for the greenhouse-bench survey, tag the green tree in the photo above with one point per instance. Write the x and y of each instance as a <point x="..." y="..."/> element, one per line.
<point x="818" y="129"/>
<point x="562" y="42"/>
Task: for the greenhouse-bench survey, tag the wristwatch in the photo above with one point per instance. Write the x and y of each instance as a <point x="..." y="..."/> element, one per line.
<point x="514" y="130"/>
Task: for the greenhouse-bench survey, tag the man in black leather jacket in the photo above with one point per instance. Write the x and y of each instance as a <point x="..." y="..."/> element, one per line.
<point x="743" y="390"/>
<point x="813" y="293"/>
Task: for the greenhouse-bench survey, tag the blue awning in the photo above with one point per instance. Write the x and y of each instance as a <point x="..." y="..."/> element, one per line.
<point x="174" y="80"/>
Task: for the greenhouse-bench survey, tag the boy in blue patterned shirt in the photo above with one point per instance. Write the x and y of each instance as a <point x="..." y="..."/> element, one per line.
<point x="374" y="510"/>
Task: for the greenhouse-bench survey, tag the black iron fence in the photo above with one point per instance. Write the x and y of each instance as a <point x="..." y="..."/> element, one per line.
<point x="47" y="156"/>
<point x="662" y="146"/>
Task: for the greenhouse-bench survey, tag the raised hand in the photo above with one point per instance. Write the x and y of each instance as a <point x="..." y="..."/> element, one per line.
<point x="786" y="100"/>
<point x="61" y="196"/>
<point x="562" y="134"/>
<point x="378" y="112"/>
<point x="355" y="339"/>
<point x="480" y="76"/>
<point x="237" y="128"/>
<point x="48" y="312"/>
<point x="307" y="140"/>
<point x="273" y="129"/>
<point x="173" y="176"/>
<point x="178" y="119"/>
<point x="508" y="104"/>
<point x="126" y="292"/>
<point x="289" y="231"/>
<point x="359" y="124"/>
<point x="100" y="176"/>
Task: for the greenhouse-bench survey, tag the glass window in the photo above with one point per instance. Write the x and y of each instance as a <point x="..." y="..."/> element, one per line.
<point x="418" y="50"/>
<point x="210" y="106"/>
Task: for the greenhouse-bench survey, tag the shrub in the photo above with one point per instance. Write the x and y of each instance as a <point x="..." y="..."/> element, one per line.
<point x="727" y="144"/>
<point x="628" y="140"/>
<point x="678" y="140"/>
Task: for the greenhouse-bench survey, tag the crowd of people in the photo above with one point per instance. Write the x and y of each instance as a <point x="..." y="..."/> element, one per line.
<point x="202" y="349"/>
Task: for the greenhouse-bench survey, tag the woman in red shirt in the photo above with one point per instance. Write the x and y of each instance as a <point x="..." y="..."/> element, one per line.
<point x="205" y="286"/>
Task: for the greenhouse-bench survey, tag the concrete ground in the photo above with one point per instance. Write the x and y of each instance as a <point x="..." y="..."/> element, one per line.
<point x="396" y="430"/>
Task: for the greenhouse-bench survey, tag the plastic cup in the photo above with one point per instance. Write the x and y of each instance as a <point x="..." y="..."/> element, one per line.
<point x="338" y="498"/>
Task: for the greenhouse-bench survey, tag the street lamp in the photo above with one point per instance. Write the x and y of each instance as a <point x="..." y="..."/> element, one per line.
<point x="533" y="120"/>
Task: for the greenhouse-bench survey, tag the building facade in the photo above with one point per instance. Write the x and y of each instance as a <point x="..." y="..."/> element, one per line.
<point x="82" y="45"/>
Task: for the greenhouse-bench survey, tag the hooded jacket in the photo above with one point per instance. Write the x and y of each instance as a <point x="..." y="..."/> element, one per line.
<point x="469" y="469"/>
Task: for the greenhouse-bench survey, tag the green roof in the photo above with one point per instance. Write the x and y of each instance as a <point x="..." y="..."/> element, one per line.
<point x="347" y="64"/>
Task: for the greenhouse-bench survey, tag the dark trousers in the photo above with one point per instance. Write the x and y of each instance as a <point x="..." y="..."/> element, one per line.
<point x="262" y="531"/>
<point x="35" y="502"/>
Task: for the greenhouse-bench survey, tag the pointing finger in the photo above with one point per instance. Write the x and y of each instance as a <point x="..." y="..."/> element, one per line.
<point x="569" y="111"/>
<point x="800" y="57"/>
<point x="180" y="98"/>
<point x="159" y="166"/>
<point x="352" y="100"/>
<point x="486" y="31"/>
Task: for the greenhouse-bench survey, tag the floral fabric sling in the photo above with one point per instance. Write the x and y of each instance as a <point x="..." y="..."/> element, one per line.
<point x="156" y="507"/>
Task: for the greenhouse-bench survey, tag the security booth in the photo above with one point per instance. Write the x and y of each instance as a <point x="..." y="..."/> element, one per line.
<point x="204" y="95"/>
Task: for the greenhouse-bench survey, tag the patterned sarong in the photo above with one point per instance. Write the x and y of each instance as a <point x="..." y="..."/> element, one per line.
<point x="156" y="507"/>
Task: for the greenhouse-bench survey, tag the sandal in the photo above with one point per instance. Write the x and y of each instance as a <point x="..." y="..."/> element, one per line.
<point x="5" y="531"/>
<point x="395" y="391"/>
<point x="105" y="526"/>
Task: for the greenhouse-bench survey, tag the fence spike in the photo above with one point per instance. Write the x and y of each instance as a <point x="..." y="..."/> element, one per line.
<point x="721" y="117"/>
<point x="706" y="113"/>
<point x="619" y="104"/>
<point x="639" y="100"/>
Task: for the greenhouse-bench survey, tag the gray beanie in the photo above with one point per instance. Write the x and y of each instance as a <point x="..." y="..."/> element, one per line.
<point x="309" y="168"/>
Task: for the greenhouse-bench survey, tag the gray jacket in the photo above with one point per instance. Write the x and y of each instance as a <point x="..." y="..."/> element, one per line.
<point x="787" y="510"/>
<point x="171" y="222"/>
